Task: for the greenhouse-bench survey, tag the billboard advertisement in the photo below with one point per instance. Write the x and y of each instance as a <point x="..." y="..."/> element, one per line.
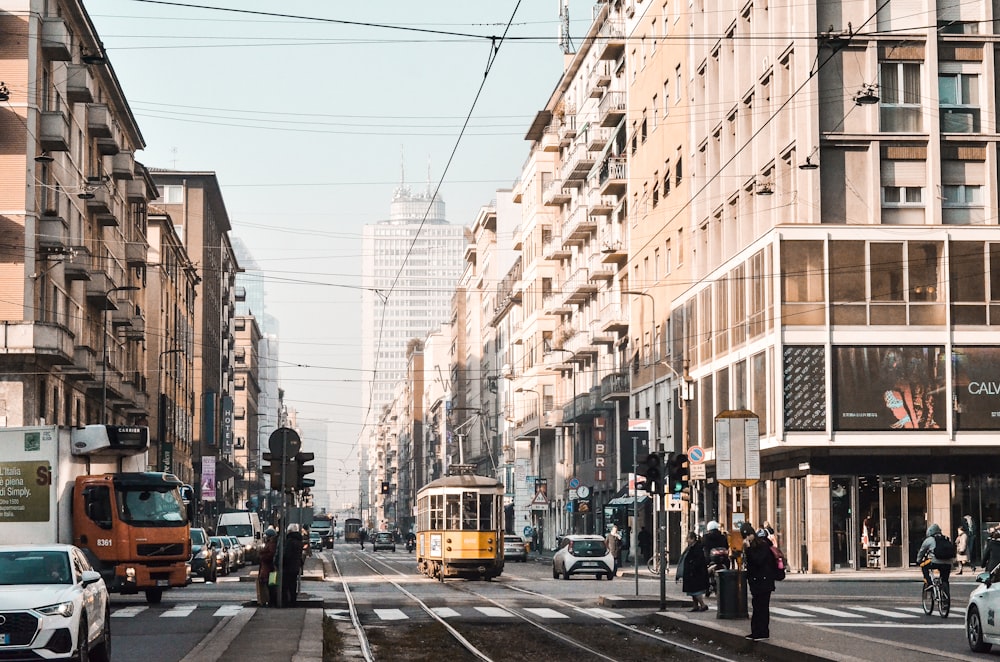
<point x="804" y="388"/>
<point x="976" y="375"/>
<point x="889" y="388"/>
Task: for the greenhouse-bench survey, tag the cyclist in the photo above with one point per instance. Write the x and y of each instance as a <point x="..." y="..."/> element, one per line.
<point x="928" y="562"/>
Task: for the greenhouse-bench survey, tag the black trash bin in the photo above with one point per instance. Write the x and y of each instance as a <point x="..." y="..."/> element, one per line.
<point x="732" y="594"/>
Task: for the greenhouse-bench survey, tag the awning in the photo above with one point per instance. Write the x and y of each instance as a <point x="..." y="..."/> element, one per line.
<point x="627" y="500"/>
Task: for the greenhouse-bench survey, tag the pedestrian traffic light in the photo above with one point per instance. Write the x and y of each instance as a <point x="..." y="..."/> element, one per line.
<point x="301" y="469"/>
<point x="273" y="469"/>
<point x="653" y="471"/>
<point x="678" y="474"/>
<point x="385" y="487"/>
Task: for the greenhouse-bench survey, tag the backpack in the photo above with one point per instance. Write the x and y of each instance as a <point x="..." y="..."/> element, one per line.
<point x="944" y="548"/>
<point x="779" y="562"/>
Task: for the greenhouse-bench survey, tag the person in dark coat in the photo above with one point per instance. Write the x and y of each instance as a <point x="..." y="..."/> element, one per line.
<point x="693" y="568"/>
<point x="761" y="570"/>
<point x="716" y="546"/>
<point x="991" y="554"/>
<point x="266" y="596"/>
<point x="291" y="566"/>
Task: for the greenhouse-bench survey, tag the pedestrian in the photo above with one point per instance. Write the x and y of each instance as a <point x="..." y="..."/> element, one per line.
<point x="693" y="569"/>
<point x="645" y="542"/>
<point x="291" y="566"/>
<point x="991" y="554"/>
<point x="626" y="546"/>
<point x="362" y="534"/>
<point x="761" y="570"/>
<point x="266" y="596"/>
<point x="716" y="546"/>
<point x="614" y="542"/>
<point x="961" y="549"/>
<point x="969" y="525"/>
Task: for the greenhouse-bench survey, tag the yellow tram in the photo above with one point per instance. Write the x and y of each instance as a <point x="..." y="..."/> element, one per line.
<point x="460" y="527"/>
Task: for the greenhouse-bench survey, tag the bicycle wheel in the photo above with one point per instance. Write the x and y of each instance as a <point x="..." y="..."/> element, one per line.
<point x="944" y="603"/>
<point x="653" y="566"/>
<point x="927" y="600"/>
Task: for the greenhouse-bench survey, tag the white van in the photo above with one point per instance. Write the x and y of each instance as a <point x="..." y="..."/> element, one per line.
<point x="245" y="525"/>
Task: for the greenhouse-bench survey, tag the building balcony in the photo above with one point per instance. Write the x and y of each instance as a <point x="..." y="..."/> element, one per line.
<point x="611" y="40"/>
<point x="135" y="253"/>
<point x="76" y="266"/>
<point x="122" y="315"/>
<point x="123" y="165"/>
<point x="550" y="139"/>
<point x="601" y="271"/>
<point x="598" y="336"/>
<point x="98" y="286"/>
<point x="108" y="146"/>
<point x="136" y="191"/>
<point x="53" y="131"/>
<point x="78" y="83"/>
<point x="577" y="164"/>
<point x="613" y="176"/>
<point x="50" y="342"/>
<point x="553" y="249"/>
<point x="613" y="251"/>
<point x="99" y="123"/>
<point x="614" y="319"/>
<point x="579" y="227"/>
<point x="56" y="41"/>
<point x="600" y="76"/>
<point x="84" y="365"/>
<point x="578" y="288"/>
<point x="556" y="195"/>
<point x="615" y="387"/>
<point x="612" y="108"/>
<point x="602" y="205"/>
<point x="567" y="128"/>
<point x="554" y="304"/>
<point x="597" y="137"/>
<point x="53" y="233"/>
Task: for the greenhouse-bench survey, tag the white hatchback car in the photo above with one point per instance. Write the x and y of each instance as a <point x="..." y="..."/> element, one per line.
<point x="52" y="605"/>
<point x="981" y="627"/>
<point x="583" y="555"/>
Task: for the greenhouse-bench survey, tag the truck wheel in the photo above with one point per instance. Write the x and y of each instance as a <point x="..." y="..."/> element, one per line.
<point x="102" y="652"/>
<point x="154" y="595"/>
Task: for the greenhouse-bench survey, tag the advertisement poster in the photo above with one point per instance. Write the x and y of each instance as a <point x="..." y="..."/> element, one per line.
<point x="976" y="373"/>
<point x="208" y="478"/>
<point x="805" y="388"/>
<point x="24" y="491"/>
<point x="889" y="388"/>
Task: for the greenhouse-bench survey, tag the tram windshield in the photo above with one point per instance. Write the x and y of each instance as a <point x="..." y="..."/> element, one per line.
<point x="468" y="511"/>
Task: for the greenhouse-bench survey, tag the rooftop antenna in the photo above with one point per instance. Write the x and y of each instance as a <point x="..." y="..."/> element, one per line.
<point x="565" y="42"/>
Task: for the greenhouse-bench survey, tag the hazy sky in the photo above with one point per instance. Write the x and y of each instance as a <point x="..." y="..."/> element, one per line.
<point x="304" y="122"/>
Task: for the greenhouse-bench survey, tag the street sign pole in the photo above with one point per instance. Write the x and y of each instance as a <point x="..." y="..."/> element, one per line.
<point x="635" y="504"/>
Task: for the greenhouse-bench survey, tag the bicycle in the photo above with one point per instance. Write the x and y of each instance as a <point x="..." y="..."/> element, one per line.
<point x="935" y="593"/>
<point x="653" y="564"/>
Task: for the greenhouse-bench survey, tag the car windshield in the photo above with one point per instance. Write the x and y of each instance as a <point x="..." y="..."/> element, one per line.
<point x="243" y="530"/>
<point x="34" y="567"/>
<point x="384" y="537"/>
<point x="513" y="539"/>
<point x="198" y="537"/>
<point x="589" y="548"/>
<point x="219" y="541"/>
<point x="150" y="507"/>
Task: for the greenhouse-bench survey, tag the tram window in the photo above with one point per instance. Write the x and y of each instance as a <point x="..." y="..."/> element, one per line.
<point x="437" y="512"/>
<point x="469" y="514"/>
<point x="485" y="512"/>
<point x="454" y="512"/>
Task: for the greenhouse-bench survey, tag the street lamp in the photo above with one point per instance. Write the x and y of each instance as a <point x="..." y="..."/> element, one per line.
<point x="660" y="536"/>
<point x="166" y="463"/>
<point x="104" y="345"/>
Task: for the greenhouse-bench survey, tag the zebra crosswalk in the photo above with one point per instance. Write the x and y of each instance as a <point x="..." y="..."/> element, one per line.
<point x="480" y="612"/>
<point x="177" y="611"/>
<point x="851" y="614"/>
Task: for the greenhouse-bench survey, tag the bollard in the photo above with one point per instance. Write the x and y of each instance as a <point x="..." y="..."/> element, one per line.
<point x="732" y="594"/>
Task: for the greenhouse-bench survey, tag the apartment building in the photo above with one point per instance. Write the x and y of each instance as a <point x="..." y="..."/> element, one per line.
<point x="249" y="483"/>
<point x="74" y="233"/>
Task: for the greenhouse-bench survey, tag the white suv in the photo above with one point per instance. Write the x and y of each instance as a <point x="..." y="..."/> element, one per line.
<point x="583" y="555"/>
<point x="52" y="604"/>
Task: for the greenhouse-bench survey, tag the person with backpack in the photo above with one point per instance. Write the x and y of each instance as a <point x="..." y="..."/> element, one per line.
<point x="936" y="553"/>
<point x="762" y="571"/>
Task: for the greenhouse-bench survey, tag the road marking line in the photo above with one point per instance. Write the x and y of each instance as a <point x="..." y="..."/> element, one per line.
<point x="828" y="612"/>
<point x="956" y="612"/>
<point x="788" y="612"/>
<point x="882" y="612"/>
<point x="941" y="626"/>
<point x="545" y="612"/>
<point x="494" y="612"/>
<point x="228" y="610"/>
<point x="391" y="614"/>
<point x="337" y="614"/>
<point x="215" y="643"/>
<point x="129" y="612"/>
<point x="180" y="611"/>
<point x="600" y="613"/>
<point x="445" y="612"/>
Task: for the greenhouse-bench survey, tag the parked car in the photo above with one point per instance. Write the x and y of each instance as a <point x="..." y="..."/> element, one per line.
<point x="204" y="562"/>
<point x="981" y="628"/>
<point x="224" y="554"/>
<point x="583" y="555"/>
<point x="239" y="551"/>
<point x="54" y="603"/>
<point x="315" y="540"/>
<point x="515" y="548"/>
<point x="383" y="540"/>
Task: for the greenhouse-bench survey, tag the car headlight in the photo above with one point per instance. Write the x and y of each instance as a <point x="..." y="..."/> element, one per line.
<point x="60" y="609"/>
<point x="206" y="553"/>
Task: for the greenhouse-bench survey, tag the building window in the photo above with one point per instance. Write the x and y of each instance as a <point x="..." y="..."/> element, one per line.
<point x="959" y="98"/>
<point x="962" y="204"/>
<point x="902" y="205"/>
<point x="899" y="91"/>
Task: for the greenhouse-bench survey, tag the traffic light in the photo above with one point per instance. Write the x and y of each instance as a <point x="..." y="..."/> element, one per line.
<point x="300" y="469"/>
<point x="274" y="469"/>
<point x="653" y="471"/>
<point x="385" y="487"/>
<point x="678" y="474"/>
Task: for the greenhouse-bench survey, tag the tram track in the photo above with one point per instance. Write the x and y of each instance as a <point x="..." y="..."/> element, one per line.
<point x="624" y="642"/>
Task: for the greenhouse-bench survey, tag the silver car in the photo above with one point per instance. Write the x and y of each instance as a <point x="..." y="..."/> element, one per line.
<point x="239" y="552"/>
<point x="583" y="555"/>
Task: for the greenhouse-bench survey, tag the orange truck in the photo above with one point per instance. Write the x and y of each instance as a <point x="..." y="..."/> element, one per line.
<point x="89" y="487"/>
